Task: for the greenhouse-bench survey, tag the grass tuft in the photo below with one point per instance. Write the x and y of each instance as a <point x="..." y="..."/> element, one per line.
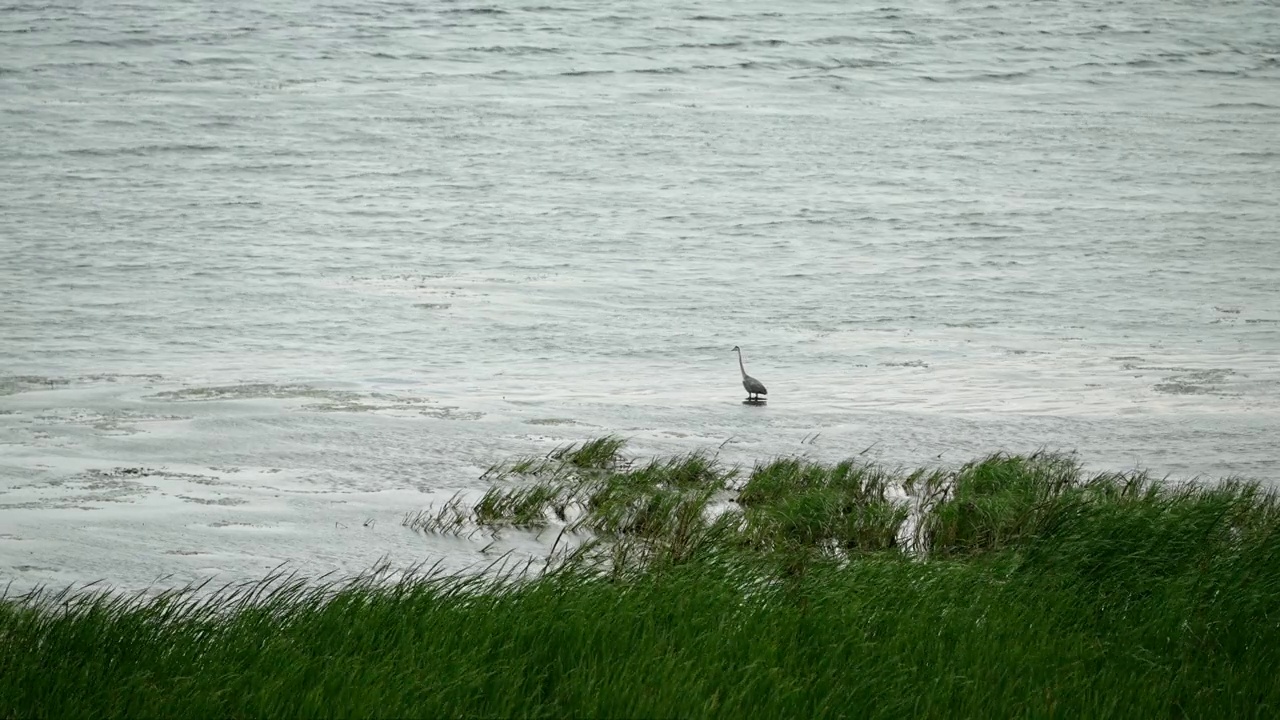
<point x="599" y="454"/>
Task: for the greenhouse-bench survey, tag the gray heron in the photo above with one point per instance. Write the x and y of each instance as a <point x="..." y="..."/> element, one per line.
<point x="754" y="387"/>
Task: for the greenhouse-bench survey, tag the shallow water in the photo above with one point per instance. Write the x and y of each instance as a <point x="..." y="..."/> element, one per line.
<point x="273" y="274"/>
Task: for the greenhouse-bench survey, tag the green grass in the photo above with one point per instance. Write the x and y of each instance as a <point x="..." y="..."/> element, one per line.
<point x="1028" y="589"/>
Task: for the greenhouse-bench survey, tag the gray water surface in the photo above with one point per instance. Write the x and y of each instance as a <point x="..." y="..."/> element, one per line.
<point x="273" y="274"/>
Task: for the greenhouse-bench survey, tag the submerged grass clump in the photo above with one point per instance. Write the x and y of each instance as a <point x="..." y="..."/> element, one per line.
<point x="590" y="488"/>
<point x="1011" y="586"/>
<point x="794" y="503"/>
<point x="599" y="454"/>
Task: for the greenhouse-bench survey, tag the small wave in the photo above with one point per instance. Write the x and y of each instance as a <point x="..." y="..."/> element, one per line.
<point x="850" y="63"/>
<point x="710" y="46"/>
<point x="991" y="76"/>
<point x="213" y="60"/>
<point x="45" y="67"/>
<point x="838" y="40"/>
<point x="1243" y="106"/>
<point x="148" y="41"/>
<point x="144" y="150"/>
<point x="725" y="45"/>
<point x="476" y="11"/>
<point x="582" y="73"/>
<point x="792" y="64"/>
<point x="518" y="50"/>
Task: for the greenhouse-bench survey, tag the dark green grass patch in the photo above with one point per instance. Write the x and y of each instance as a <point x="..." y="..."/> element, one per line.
<point x="1038" y="591"/>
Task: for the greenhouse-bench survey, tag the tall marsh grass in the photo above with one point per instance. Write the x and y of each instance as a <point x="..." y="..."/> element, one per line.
<point x="1027" y="588"/>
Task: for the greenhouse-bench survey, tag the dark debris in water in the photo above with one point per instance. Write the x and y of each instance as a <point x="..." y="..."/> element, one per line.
<point x="248" y="391"/>
<point x="554" y="421"/>
<point x="906" y="364"/>
<point x="323" y="400"/>
<point x="1197" y="382"/>
<point x="223" y="501"/>
<point x="14" y="384"/>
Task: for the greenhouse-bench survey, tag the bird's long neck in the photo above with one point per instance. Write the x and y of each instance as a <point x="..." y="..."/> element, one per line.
<point x="741" y="367"/>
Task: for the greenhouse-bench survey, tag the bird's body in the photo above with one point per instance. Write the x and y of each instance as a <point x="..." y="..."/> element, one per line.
<point x="754" y="387"/>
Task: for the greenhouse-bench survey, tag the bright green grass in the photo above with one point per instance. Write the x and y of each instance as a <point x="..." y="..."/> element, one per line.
<point x="1035" y="591"/>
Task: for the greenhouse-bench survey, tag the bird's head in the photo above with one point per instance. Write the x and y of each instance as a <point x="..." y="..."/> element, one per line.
<point x="736" y="349"/>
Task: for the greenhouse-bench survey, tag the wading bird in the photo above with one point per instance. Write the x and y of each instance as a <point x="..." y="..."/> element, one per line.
<point x="754" y="387"/>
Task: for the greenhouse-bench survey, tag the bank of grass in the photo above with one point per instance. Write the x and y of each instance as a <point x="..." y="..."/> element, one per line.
<point x="1022" y="587"/>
